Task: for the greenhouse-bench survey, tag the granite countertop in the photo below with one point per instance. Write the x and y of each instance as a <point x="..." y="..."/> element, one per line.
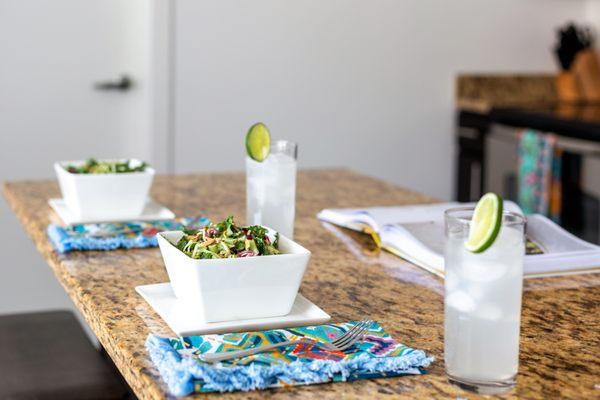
<point x="560" y="335"/>
<point x="482" y="92"/>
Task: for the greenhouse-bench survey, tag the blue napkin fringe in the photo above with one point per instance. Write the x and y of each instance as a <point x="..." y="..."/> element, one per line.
<point x="63" y="243"/>
<point x="180" y="372"/>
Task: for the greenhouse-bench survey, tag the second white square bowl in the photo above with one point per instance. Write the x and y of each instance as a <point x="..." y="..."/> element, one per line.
<point x="236" y="288"/>
<point x="104" y="196"/>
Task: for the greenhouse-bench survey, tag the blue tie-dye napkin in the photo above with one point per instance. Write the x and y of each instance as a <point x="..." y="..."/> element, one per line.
<point x="378" y="355"/>
<point x="110" y="236"/>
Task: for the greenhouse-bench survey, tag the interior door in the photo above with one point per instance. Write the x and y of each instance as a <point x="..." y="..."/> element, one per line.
<point x="53" y="54"/>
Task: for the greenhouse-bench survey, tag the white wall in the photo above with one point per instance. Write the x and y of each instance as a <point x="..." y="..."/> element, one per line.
<point x="364" y="84"/>
<point x="593" y="14"/>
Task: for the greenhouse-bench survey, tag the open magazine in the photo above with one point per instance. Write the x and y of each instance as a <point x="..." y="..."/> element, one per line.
<point x="416" y="233"/>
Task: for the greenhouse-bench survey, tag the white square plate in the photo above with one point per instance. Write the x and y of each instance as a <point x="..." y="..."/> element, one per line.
<point x="152" y="211"/>
<point x="186" y="320"/>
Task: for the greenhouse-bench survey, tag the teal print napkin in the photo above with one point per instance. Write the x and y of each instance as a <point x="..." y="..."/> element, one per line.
<point x="378" y="355"/>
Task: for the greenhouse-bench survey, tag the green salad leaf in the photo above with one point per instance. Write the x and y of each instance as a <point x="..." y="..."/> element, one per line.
<point x="227" y="240"/>
<point x="93" y="166"/>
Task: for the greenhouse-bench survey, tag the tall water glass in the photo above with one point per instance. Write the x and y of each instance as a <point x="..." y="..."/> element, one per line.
<point x="482" y="305"/>
<point x="271" y="188"/>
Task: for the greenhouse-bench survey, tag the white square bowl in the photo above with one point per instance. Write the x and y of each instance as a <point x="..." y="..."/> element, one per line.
<point x="104" y="196"/>
<point x="236" y="288"/>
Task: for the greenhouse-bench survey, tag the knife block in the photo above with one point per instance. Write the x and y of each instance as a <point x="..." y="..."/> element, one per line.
<point x="567" y="89"/>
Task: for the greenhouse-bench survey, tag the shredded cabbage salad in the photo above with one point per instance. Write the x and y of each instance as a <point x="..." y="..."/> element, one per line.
<point x="227" y="240"/>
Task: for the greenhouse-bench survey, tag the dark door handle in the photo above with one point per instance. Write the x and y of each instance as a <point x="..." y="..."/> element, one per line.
<point x="123" y="84"/>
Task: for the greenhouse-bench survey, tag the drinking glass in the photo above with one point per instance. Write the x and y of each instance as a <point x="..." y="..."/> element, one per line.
<point x="482" y="305"/>
<point x="271" y="188"/>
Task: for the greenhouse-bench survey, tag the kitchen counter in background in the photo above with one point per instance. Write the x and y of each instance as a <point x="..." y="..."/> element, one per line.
<point x="523" y="101"/>
<point x="480" y="93"/>
<point x="491" y="109"/>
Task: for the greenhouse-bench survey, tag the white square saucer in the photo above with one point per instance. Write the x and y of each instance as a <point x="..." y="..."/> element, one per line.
<point x="152" y="211"/>
<point x="186" y="320"/>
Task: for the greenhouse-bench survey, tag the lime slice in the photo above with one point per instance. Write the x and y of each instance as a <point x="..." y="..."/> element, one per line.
<point x="258" y="142"/>
<point x="485" y="224"/>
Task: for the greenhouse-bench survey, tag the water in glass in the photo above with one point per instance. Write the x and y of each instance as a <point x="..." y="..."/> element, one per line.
<point x="271" y="189"/>
<point x="483" y="307"/>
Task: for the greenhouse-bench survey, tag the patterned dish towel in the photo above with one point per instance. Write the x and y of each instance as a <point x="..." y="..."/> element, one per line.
<point x="378" y="355"/>
<point x="110" y="236"/>
<point x="539" y="174"/>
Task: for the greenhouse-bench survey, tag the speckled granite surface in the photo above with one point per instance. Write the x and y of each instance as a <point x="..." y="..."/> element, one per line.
<point x="560" y="339"/>
<point x="481" y="92"/>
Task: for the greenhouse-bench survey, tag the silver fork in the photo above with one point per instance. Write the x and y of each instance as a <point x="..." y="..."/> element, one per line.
<point x="341" y="343"/>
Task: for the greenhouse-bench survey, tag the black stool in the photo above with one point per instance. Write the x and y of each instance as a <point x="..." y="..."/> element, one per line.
<point x="47" y="355"/>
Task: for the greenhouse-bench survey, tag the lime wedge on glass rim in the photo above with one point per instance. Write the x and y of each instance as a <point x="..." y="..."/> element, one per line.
<point x="485" y="223"/>
<point x="258" y="142"/>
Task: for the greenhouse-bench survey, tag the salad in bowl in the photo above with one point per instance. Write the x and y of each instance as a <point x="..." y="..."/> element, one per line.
<point x="228" y="240"/>
<point x="231" y="272"/>
<point x="93" y="166"/>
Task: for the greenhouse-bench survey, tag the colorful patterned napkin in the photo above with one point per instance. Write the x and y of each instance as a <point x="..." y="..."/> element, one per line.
<point x="378" y="355"/>
<point x="110" y="236"/>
